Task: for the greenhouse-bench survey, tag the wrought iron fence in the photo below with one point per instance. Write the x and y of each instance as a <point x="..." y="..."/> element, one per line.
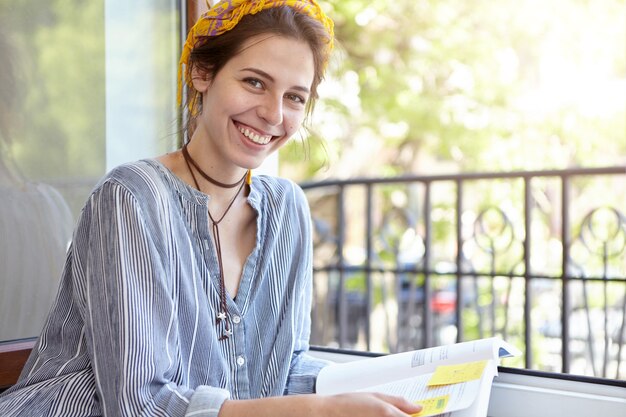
<point x="537" y="258"/>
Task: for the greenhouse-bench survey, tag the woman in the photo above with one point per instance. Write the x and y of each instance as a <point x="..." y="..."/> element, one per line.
<point x="186" y="290"/>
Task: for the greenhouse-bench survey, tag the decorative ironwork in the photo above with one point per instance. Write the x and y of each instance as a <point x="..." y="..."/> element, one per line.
<point x="405" y="270"/>
<point x="603" y="236"/>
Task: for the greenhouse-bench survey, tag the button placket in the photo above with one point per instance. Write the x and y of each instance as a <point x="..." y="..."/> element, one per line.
<point x="241" y="360"/>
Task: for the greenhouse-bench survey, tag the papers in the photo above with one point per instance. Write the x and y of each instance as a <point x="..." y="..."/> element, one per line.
<point x="455" y="374"/>
<point x="454" y="378"/>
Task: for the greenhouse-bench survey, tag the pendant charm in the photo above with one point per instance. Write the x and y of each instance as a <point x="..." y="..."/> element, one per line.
<point x="221" y="316"/>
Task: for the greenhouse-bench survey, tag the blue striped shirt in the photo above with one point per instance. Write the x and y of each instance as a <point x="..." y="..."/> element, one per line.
<point x="133" y="329"/>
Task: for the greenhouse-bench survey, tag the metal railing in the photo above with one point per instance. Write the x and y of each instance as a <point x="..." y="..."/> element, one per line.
<point x="537" y="258"/>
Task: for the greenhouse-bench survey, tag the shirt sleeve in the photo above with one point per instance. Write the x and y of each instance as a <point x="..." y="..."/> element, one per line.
<point x="206" y="402"/>
<point x="129" y="311"/>
<point x="304" y="368"/>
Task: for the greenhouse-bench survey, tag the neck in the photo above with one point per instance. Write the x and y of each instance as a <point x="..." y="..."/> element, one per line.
<point x="218" y="189"/>
<point x="211" y="176"/>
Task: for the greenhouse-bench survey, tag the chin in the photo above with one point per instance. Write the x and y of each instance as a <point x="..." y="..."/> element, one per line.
<point x="255" y="162"/>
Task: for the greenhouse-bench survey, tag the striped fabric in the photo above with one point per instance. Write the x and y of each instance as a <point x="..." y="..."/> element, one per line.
<point x="132" y="331"/>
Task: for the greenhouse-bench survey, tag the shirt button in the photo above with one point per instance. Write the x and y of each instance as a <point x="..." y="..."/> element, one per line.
<point x="240" y="361"/>
<point x="236" y="319"/>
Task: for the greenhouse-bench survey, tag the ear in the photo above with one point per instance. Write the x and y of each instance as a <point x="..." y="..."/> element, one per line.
<point x="200" y="80"/>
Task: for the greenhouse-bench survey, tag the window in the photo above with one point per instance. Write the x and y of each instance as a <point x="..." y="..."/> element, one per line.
<point x="84" y="87"/>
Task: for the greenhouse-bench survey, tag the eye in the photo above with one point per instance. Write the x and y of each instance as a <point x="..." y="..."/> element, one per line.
<point x="254" y="82"/>
<point x="296" y="98"/>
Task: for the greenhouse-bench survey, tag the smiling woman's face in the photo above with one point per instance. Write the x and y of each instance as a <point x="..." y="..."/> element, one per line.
<point x="256" y="102"/>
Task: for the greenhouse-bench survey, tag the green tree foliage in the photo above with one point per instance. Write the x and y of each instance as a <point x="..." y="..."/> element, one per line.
<point x="58" y="129"/>
<point x="415" y="87"/>
<point x="423" y="86"/>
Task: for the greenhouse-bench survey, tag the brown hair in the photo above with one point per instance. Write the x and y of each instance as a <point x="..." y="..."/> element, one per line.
<point x="211" y="53"/>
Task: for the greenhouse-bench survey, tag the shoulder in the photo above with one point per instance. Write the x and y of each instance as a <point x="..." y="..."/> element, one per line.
<point x="138" y="194"/>
<point x="280" y="189"/>
<point x="280" y="198"/>
<point x="146" y="180"/>
<point x="136" y="176"/>
<point x="144" y="184"/>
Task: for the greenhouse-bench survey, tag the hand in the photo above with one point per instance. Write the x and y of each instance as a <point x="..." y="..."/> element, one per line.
<point x="313" y="405"/>
<point x="368" y="404"/>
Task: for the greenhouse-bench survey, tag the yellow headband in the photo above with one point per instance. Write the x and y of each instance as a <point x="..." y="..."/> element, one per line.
<point x="226" y="14"/>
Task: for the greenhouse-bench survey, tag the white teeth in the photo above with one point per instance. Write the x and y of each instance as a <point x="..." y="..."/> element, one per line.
<point x="261" y="140"/>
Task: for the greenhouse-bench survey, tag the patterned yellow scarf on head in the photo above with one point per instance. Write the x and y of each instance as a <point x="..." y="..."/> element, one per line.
<point x="226" y="14"/>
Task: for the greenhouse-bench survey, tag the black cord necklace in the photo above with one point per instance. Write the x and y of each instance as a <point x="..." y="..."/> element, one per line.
<point x="189" y="160"/>
<point x="222" y="315"/>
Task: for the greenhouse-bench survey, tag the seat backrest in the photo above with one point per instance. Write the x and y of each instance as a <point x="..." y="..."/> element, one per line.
<point x="13" y="356"/>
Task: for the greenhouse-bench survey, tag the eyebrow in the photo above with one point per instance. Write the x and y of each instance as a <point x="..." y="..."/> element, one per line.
<point x="269" y="77"/>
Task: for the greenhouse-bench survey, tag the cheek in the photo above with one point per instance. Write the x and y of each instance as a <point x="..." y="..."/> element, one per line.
<point x="294" y="123"/>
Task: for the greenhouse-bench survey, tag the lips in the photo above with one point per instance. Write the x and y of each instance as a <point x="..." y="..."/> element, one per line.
<point x="255" y="137"/>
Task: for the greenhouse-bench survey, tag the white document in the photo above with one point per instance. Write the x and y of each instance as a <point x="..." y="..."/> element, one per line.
<point x="407" y="374"/>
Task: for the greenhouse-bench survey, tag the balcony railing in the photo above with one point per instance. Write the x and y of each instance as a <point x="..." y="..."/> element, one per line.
<point x="537" y="258"/>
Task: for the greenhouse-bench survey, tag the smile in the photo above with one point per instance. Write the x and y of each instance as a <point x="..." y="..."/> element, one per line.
<point x="260" y="139"/>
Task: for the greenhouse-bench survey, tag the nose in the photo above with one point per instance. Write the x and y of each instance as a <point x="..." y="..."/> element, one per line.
<point x="271" y="110"/>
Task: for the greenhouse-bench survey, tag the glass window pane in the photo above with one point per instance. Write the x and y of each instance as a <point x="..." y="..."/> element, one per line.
<point x="84" y="86"/>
